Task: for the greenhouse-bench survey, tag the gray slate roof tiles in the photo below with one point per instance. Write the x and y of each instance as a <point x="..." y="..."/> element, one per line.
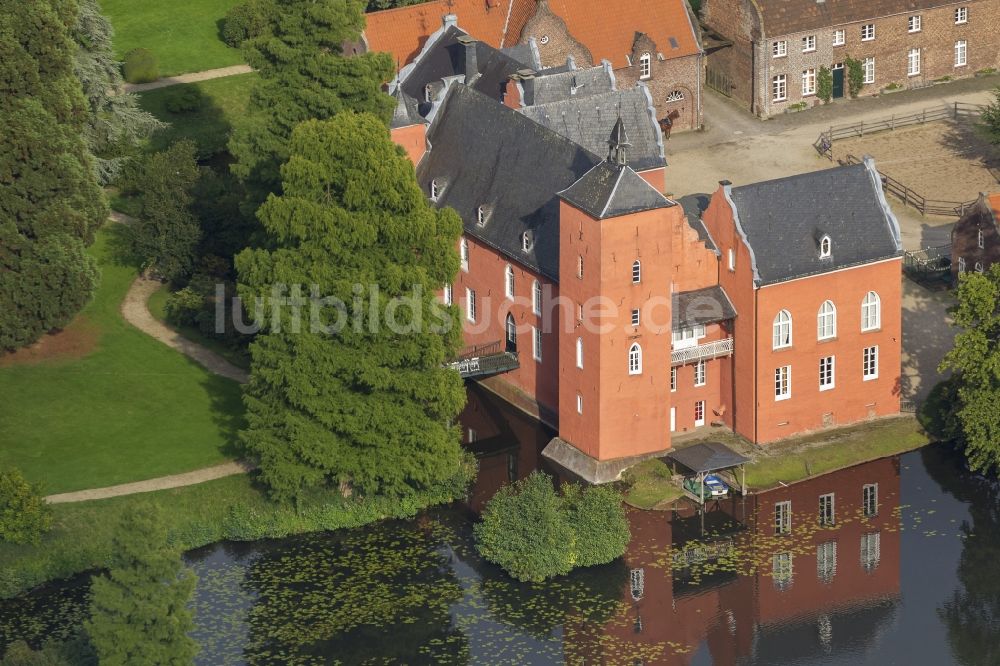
<point x="607" y="191"/>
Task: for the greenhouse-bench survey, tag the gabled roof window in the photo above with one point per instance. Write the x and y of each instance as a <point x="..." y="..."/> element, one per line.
<point x="825" y="247"/>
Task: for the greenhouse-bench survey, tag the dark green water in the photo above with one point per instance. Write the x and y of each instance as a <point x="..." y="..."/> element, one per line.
<point x="917" y="582"/>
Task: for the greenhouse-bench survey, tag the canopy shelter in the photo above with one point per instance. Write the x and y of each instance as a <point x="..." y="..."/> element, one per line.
<point x="707" y="457"/>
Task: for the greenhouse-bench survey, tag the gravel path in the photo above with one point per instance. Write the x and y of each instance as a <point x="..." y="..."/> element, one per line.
<point x="193" y="77"/>
<point x="134" y="309"/>
<point x="150" y="485"/>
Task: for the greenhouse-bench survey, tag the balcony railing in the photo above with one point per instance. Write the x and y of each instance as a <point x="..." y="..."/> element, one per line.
<point x="704" y="352"/>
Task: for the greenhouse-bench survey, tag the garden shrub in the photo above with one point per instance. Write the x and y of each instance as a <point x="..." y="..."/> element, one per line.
<point x="141" y="66"/>
<point x="183" y="307"/>
<point x="245" y="21"/>
<point x="824" y="84"/>
<point x="598" y="516"/>
<point x="855" y="76"/>
<point x="24" y="514"/>
<point x="184" y="99"/>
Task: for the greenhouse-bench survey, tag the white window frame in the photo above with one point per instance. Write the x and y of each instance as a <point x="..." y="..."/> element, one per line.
<point x="732" y="260"/>
<point x="913" y="62"/>
<point x="809" y="43"/>
<point x="783" y="517"/>
<point x="536" y="343"/>
<point x="635" y="359"/>
<point x="470" y="304"/>
<point x="868" y="32"/>
<point x="636" y="272"/>
<point x="827" y="510"/>
<point x="961" y="53"/>
<point x="871" y="312"/>
<point x="827" y="373"/>
<point x="463" y="251"/>
<point x="428" y="93"/>
<point x="579" y="267"/>
<point x="779" y="49"/>
<point x="449" y="293"/>
<point x="782" y="330"/>
<point x="508" y="281"/>
<point x="826" y="561"/>
<point x="437" y="189"/>
<point x="825" y="247"/>
<point x="981" y="240"/>
<point x="673" y="379"/>
<point x="481" y="216"/>
<point x="579" y="404"/>
<point x="913" y="23"/>
<point x="526" y="242"/>
<point x="961" y="264"/>
<point x="675" y="96"/>
<point x="869" y="363"/>
<point x="869" y="500"/>
<point x="979" y="267"/>
<point x="808" y="82"/>
<point x="779" y="88"/>
<point x="645" y="66"/>
<point x="579" y="353"/>
<point x="783" y="382"/>
<point x="699" y="413"/>
<point x="961" y="15"/>
<point x="636" y="316"/>
<point x="826" y="321"/>
<point x="536" y="297"/>
<point x="868" y="65"/>
<point x="782" y="569"/>
<point x="871" y="547"/>
<point x="839" y="37"/>
<point x="700" y="373"/>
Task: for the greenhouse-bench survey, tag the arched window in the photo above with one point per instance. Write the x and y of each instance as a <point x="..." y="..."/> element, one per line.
<point x="636" y="272"/>
<point x="676" y="96"/>
<point x="826" y="321"/>
<point x="635" y="359"/>
<point x="824" y="247"/>
<point x="508" y="284"/>
<point x="979" y="267"/>
<point x="871" y="316"/>
<point x="783" y="330"/>
<point x="579" y="353"/>
<point x="644" y="66"/>
<point x="536" y="298"/>
<point x="511" y="329"/>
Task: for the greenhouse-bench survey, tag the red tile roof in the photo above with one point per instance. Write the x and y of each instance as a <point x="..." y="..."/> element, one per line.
<point x="609" y="31"/>
<point x="994" y="201"/>
<point x="402" y="32"/>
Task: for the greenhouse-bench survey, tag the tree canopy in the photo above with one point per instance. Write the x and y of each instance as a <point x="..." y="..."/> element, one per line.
<point x="975" y="359"/>
<point x="51" y="203"/>
<point x="991" y="117"/>
<point x="358" y="394"/>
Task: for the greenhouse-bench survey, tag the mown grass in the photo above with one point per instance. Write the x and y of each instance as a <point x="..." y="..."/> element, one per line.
<point x="183" y="34"/>
<point x="128" y="409"/>
<point x="649" y="484"/>
<point x="157" y="308"/>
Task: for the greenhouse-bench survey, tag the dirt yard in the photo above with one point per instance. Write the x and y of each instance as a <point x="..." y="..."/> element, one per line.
<point x="942" y="160"/>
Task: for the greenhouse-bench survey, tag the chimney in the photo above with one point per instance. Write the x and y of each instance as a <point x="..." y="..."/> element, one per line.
<point x="725" y="183"/>
<point x="471" y="63"/>
<point x="449" y="20"/>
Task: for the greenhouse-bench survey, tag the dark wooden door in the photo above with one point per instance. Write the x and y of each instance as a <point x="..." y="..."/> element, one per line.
<point x="838" y="82"/>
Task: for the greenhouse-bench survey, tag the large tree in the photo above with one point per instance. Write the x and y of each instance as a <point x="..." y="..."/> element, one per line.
<point x="139" y="609"/>
<point x="975" y="359"/>
<point x="50" y="202"/>
<point x="367" y="403"/>
<point x="304" y="75"/>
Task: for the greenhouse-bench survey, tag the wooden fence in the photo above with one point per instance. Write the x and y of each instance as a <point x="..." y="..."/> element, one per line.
<point x="953" y="111"/>
<point x="910" y="198"/>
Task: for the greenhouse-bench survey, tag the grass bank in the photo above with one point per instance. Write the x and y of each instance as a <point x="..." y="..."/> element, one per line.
<point x="158" y="308"/>
<point x="102" y="403"/>
<point x="648" y="484"/>
<point x="232" y="508"/>
<point x="184" y="35"/>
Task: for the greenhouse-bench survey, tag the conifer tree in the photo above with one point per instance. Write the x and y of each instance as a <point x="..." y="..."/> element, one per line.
<point x="304" y="75"/>
<point x="370" y="404"/>
<point x="139" y="610"/>
<point x="50" y="202"/>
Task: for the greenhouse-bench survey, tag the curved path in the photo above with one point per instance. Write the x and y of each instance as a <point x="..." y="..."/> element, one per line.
<point x="193" y="77"/>
<point x="150" y="485"/>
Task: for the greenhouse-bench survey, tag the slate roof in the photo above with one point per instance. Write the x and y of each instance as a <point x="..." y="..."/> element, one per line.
<point x="608" y="191"/>
<point x="701" y="306"/>
<point x="707" y="457"/>
<point x="694" y="205"/>
<point x="552" y="85"/>
<point x="489" y="155"/>
<point x="406" y="112"/>
<point x="784" y="17"/>
<point x="783" y="221"/>
<point x="588" y="121"/>
<point x="402" y="32"/>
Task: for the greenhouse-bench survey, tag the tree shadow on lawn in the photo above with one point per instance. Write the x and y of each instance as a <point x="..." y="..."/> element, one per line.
<point x="227" y="410"/>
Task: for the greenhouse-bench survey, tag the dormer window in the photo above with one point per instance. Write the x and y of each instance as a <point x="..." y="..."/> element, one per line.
<point x="482" y="214"/>
<point x="437" y="188"/>
<point x="824" y="247"/>
<point x="527" y="241"/>
<point x="645" y="62"/>
<point x="428" y="93"/>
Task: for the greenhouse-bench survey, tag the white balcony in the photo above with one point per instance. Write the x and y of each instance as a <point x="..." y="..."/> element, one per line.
<point x="705" y="352"/>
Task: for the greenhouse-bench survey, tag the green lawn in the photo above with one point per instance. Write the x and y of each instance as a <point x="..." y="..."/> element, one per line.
<point x="224" y="101"/>
<point x="649" y="484"/>
<point x="182" y="34"/>
<point x="157" y="307"/>
<point x="131" y="408"/>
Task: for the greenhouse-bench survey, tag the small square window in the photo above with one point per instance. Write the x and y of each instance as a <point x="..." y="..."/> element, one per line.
<point x="808" y="43"/>
<point x="867" y="32"/>
<point x="779" y="49"/>
<point x="913" y="23"/>
<point x="839" y="37"/>
<point x="636" y="314"/>
<point x="961" y="15"/>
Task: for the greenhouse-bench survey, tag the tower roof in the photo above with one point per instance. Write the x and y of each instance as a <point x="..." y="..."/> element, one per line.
<point x="407" y="110"/>
<point x="609" y="191"/>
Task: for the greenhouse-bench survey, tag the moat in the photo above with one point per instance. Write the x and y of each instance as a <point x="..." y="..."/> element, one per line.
<point x="906" y="573"/>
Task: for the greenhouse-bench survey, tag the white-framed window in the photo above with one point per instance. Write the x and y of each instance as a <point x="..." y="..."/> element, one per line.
<point x="673" y="379"/>
<point x="636" y="316"/>
<point x="527" y="241"/>
<point x="579" y="404"/>
<point x="481" y="216"/>
<point x="870" y="363"/>
<point x="675" y="96"/>
<point x="783" y="382"/>
<point x="536" y="343"/>
<point x="871" y="312"/>
<point x="826" y="561"/>
<point x="783" y="517"/>
<point x="981" y="241"/>
<point x="699" y="413"/>
<point x="825" y="247"/>
<point x="868" y="65"/>
<point x="961" y="15"/>
<point x="470" y="304"/>
<point x="808" y="43"/>
<point x="428" y="93"/>
<point x="579" y="267"/>
<point x="636" y="272"/>
<point x="437" y="189"/>
<point x="779" y="88"/>
<point x="867" y="32"/>
<point x="579" y="353"/>
<point x="961" y="53"/>
<point x="471" y="435"/>
<point x="979" y="267"/>
<point x="869" y="499"/>
<point x="827" y="373"/>
<point x="699" y="373"/>
<point x="871" y="546"/>
<point x="508" y="281"/>
<point x="839" y="37"/>
<point x="913" y="62"/>
<point x="536" y="297"/>
<point x="645" y="63"/>
<point x="779" y="49"/>
<point x="463" y="252"/>
<point x="448" y="293"/>
<point x="913" y="23"/>
<point x="826" y="321"/>
<point x="511" y="331"/>
<point x="809" y="82"/>
<point x="781" y="570"/>
<point x="732" y="259"/>
<point x="635" y="359"/>
<point x="782" y="330"/>
<point x="961" y="264"/>
<point x="826" y="509"/>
